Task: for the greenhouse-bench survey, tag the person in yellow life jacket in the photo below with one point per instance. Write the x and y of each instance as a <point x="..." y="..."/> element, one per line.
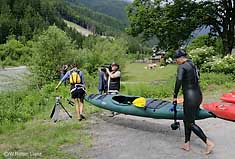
<point x="77" y="89"/>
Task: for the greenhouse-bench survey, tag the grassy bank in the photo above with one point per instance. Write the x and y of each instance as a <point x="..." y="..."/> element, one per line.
<point x="26" y="128"/>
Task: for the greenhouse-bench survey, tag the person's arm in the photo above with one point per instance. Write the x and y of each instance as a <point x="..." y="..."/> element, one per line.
<point x="115" y="75"/>
<point x="178" y="82"/>
<point x="65" y="77"/>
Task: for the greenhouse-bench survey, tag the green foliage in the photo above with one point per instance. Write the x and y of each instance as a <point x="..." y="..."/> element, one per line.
<point x="22" y="105"/>
<point x="159" y="91"/>
<point x="219" y="46"/>
<point x="174" y="21"/>
<point x="224" y="65"/>
<point x="88" y="19"/>
<point x="27" y="17"/>
<point x="204" y="40"/>
<point x="100" y="52"/>
<point x="113" y="8"/>
<point x="208" y="79"/>
<point x="51" y="50"/>
<point x="14" y="53"/>
<point x="202" y="55"/>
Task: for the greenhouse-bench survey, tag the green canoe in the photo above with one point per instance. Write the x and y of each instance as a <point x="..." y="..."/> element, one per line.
<point x="154" y="108"/>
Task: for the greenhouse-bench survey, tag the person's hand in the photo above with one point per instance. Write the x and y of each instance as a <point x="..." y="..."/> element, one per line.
<point x="174" y="101"/>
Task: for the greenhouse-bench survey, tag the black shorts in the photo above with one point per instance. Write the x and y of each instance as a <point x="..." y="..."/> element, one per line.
<point x="78" y="93"/>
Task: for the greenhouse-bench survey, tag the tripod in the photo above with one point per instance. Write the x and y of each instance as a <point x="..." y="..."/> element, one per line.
<point x="56" y="109"/>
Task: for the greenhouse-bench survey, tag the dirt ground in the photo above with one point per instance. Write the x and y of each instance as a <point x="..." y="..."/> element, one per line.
<point x="126" y="137"/>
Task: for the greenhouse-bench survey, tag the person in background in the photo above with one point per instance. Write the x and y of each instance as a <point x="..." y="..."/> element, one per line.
<point x="114" y="79"/>
<point x="102" y="85"/>
<point x="188" y="78"/>
<point x="77" y="90"/>
<point x="63" y="71"/>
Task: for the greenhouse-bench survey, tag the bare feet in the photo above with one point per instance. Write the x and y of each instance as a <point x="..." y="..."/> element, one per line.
<point x="186" y="146"/>
<point x="209" y="147"/>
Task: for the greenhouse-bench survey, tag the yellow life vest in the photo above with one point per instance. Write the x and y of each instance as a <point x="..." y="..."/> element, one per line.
<point x="74" y="77"/>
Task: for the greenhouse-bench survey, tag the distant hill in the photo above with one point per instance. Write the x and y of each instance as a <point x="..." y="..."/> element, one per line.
<point x="114" y="8"/>
<point x="25" y="18"/>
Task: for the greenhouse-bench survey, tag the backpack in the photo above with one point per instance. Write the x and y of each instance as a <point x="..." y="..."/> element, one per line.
<point x="74" y="77"/>
<point x="196" y="71"/>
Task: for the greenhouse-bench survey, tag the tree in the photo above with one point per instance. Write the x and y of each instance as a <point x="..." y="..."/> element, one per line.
<point x="51" y="50"/>
<point x="174" y="21"/>
<point x="220" y="15"/>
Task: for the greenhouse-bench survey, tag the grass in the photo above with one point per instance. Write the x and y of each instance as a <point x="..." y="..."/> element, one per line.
<point x="51" y="140"/>
<point x="136" y="72"/>
<point x="79" y="29"/>
<point x="41" y="136"/>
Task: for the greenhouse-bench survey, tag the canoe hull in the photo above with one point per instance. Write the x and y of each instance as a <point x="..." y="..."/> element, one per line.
<point x="228" y="97"/>
<point x="163" y="112"/>
<point x="221" y="110"/>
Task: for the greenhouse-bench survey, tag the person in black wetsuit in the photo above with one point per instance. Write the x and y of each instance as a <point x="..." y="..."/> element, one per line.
<point x="187" y="77"/>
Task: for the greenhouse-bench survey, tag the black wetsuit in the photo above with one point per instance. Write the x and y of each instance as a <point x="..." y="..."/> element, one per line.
<point x="188" y="78"/>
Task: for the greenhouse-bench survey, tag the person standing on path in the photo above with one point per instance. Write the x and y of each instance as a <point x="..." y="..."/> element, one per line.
<point x="77" y="89"/>
<point x="188" y="78"/>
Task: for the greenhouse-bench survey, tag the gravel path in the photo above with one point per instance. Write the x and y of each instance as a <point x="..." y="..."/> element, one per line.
<point x="129" y="137"/>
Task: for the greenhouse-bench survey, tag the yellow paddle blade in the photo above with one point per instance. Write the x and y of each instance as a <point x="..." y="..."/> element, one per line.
<point x="139" y="102"/>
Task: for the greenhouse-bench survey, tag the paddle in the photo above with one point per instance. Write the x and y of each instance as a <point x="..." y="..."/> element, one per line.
<point x="139" y="102"/>
<point x="176" y="124"/>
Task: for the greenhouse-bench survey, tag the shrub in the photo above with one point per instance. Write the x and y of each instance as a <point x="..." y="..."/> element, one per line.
<point x="201" y="41"/>
<point x="202" y="55"/>
<point x="13" y="53"/>
<point x="51" y="50"/>
<point x="102" y="52"/>
<point x="224" y="65"/>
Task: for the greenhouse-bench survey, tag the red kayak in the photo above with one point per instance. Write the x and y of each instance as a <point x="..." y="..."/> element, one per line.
<point x="228" y="97"/>
<point x="221" y="110"/>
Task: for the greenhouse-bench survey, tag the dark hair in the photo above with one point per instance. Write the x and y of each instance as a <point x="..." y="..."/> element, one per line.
<point x="75" y="65"/>
<point x="179" y="53"/>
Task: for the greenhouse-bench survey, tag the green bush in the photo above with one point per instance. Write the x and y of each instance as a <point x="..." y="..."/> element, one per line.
<point x="202" y="55"/>
<point x="201" y="41"/>
<point x="51" y="50"/>
<point x="103" y="51"/>
<point x="13" y="53"/>
<point x="224" y="65"/>
<point x="23" y="105"/>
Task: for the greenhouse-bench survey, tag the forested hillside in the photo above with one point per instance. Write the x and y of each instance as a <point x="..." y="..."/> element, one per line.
<point x="114" y="8"/>
<point x="94" y="21"/>
<point x="25" y="18"/>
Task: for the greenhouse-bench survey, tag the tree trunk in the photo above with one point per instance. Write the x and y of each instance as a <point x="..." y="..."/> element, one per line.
<point x="228" y="40"/>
